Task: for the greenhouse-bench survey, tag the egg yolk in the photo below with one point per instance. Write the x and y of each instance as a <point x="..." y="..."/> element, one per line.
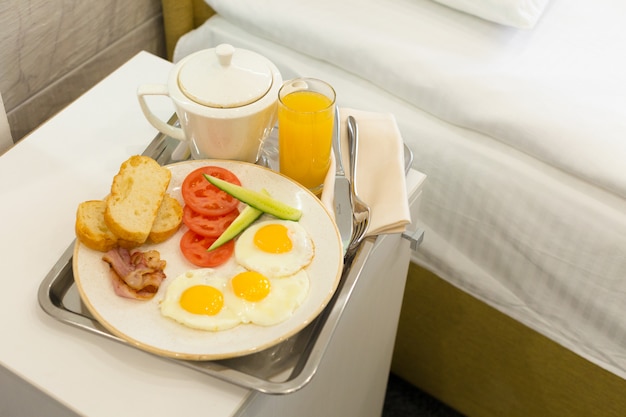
<point x="202" y="299"/>
<point x="251" y="286"/>
<point x="273" y="238"/>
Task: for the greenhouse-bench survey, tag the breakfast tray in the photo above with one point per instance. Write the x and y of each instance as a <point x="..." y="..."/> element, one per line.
<point x="281" y="369"/>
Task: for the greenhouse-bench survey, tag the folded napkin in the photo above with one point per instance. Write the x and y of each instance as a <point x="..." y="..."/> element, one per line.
<point x="380" y="177"/>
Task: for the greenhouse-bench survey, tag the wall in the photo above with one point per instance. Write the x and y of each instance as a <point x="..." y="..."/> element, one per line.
<point x="53" y="51"/>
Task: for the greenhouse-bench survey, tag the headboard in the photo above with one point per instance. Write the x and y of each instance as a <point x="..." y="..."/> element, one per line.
<point x="181" y="16"/>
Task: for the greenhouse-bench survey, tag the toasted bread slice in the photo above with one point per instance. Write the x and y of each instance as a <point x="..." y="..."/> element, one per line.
<point x="91" y="228"/>
<point x="136" y="195"/>
<point x="168" y="220"/>
<point x="95" y="234"/>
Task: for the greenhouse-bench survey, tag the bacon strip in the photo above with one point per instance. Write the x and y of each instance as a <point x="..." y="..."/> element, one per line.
<point x="136" y="275"/>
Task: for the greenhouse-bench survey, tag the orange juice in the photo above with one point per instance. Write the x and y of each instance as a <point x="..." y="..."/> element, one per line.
<point x="305" y="129"/>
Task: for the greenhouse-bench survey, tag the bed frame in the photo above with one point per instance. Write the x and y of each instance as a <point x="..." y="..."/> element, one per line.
<point x="463" y="352"/>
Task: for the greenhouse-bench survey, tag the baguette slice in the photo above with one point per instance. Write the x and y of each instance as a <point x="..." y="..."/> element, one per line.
<point x="93" y="232"/>
<point x="91" y="228"/>
<point x="168" y="220"/>
<point x="136" y="195"/>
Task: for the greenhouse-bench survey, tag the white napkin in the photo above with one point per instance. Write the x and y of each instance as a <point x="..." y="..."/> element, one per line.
<point x="381" y="181"/>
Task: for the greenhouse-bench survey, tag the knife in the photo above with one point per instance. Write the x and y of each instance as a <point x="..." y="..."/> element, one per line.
<point x="343" y="204"/>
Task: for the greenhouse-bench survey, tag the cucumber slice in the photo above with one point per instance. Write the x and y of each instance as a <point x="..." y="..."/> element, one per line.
<point x="257" y="200"/>
<point x="241" y="223"/>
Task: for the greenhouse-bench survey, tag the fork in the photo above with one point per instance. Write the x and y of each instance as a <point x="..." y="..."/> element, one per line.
<point x="360" y="210"/>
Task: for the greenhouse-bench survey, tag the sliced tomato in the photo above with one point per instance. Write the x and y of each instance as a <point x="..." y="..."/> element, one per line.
<point x="194" y="248"/>
<point x="209" y="226"/>
<point x="205" y="198"/>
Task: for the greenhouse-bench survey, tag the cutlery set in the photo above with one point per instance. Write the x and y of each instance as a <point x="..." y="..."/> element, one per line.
<point x="352" y="214"/>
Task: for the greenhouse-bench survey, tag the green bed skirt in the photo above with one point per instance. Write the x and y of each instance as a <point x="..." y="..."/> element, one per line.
<point x="483" y="363"/>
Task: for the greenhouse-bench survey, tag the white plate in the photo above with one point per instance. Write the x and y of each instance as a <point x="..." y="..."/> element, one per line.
<point x="140" y="322"/>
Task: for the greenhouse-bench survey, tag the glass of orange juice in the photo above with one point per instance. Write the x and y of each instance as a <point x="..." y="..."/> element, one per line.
<point x="306" y="113"/>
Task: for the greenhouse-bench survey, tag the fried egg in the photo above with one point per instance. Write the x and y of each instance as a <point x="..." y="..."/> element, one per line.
<point x="196" y="299"/>
<point x="266" y="301"/>
<point x="264" y="286"/>
<point x="274" y="248"/>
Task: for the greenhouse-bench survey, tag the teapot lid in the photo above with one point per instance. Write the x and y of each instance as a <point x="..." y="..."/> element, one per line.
<point x="225" y="78"/>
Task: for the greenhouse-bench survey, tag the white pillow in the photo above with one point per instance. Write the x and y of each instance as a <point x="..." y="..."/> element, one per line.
<point x="522" y="14"/>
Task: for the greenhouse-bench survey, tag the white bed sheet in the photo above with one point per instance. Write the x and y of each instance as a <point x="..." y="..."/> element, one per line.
<point x="544" y="245"/>
<point x="518" y="86"/>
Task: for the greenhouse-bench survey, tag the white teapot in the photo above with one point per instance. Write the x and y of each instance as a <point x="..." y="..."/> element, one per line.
<point x="226" y="101"/>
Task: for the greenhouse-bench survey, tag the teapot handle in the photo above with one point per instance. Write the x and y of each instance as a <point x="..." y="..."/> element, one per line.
<point x="163" y="127"/>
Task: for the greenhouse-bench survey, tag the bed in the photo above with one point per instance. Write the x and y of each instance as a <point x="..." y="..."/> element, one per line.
<point x="515" y="303"/>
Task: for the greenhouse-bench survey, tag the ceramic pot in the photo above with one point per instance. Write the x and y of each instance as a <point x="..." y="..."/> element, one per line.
<point x="225" y="99"/>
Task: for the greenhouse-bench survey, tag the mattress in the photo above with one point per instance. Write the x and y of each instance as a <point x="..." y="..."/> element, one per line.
<point x="522" y="134"/>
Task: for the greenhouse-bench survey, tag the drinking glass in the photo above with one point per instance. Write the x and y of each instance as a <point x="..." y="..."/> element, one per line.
<point x="306" y="113"/>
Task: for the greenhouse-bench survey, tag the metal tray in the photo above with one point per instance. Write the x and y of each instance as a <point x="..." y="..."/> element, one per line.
<point x="281" y="369"/>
